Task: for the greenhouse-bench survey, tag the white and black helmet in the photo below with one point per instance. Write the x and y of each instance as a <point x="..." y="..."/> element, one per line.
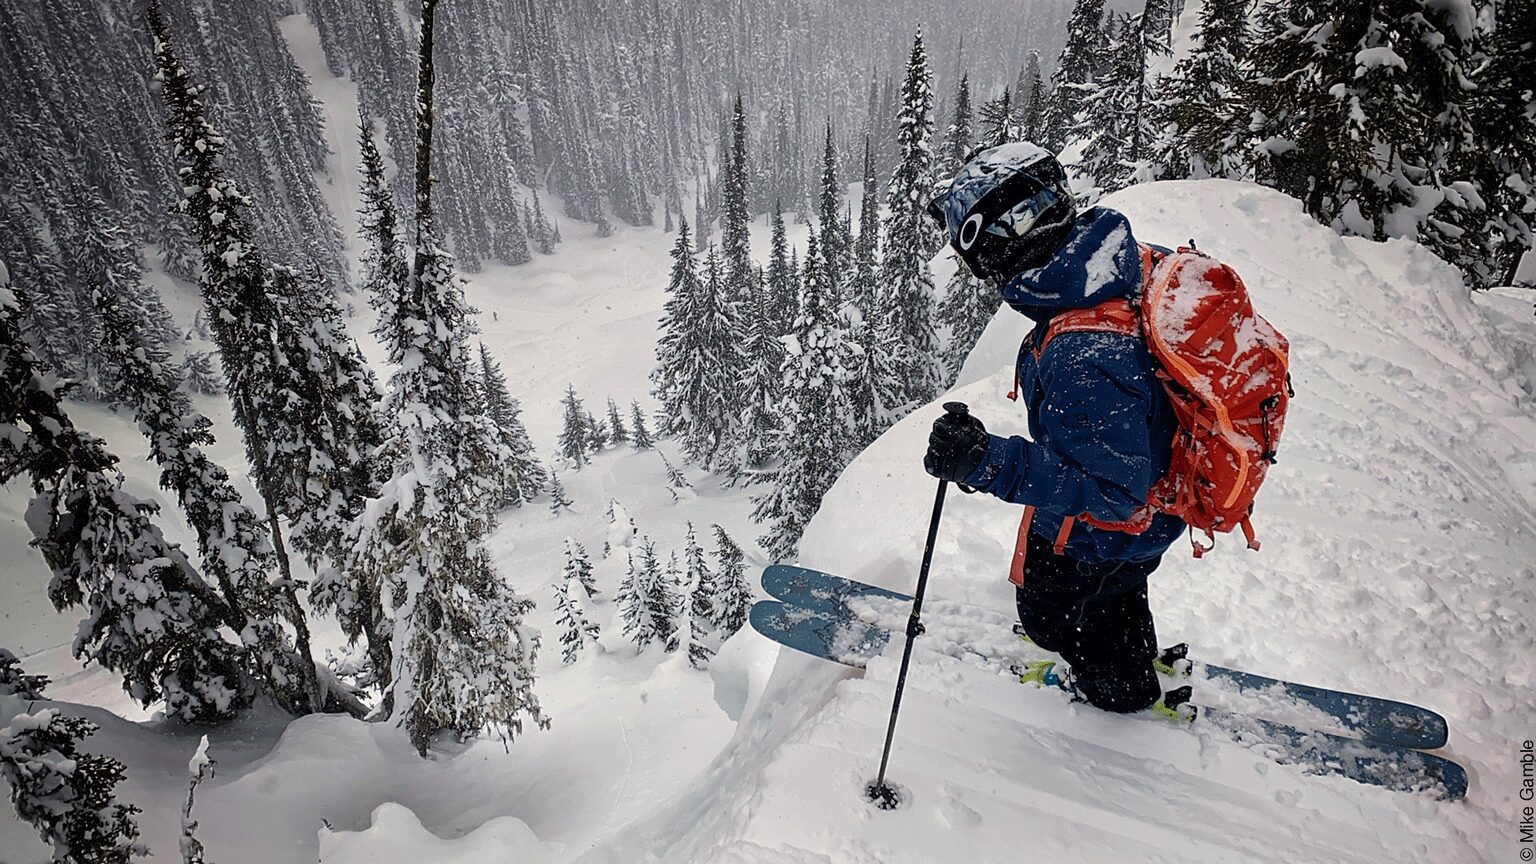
<point x="1008" y="209"/>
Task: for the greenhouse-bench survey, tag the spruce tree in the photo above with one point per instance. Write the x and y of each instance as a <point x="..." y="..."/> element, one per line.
<point x="998" y="122"/>
<point x="677" y="481"/>
<point x="733" y="601"/>
<point x="1503" y="152"/>
<point x="1198" y="109"/>
<point x="528" y="476"/>
<point x="967" y="308"/>
<point x="1033" y="98"/>
<point x="702" y="614"/>
<point x="68" y="796"/>
<point x="648" y="601"/>
<point x="558" y="500"/>
<point x="1360" y="108"/>
<point x="462" y="661"/>
<point x="836" y="240"/>
<point x="575" y="434"/>
<point x="14" y="681"/>
<point x="762" y="387"/>
<point x="904" y="307"/>
<point x="779" y="281"/>
<point x="642" y="439"/>
<point x="1113" y="129"/>
<point x="817" y="438"/>
<point x="385" y="272"/>
<point x="597" y="434"/>
<point x="235" y="551"/>
<point x="617" y="433"/>
<point x="621" y="528"/>
<point x="579" y="568"/>
<point x="860" y="294"/>
<point x="200" y="375"/>
<point x="695" y="373"/>
<point x="957" y="138"/>
<point x="1081" y="60"/>
<point x="150" y="616"/>
<point x="301" y="393"/>
<point x="576" y="630"/>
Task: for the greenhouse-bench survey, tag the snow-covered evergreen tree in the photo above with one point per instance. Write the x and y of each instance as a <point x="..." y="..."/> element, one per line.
<point x="998" y="122"/>
<point x="957" y="137"/>
<point x="618" y="433"/>
<point x="702" y="591"/>
<point x="1358" y="108"/>
<point x="462" y="661"/>
<point x="14" y="681"/>
<point x="817" y="437"/>
<point x="733" y="601"/>
<point x="150" y="616"/>
<point x="861" y="291"/>
<point x="200" y="375"/>
<point x="1503" y="154"/>
<point x="1113" y="130"/>
<point x="1202" y="125"/>
<point x="200" y="768"/>
<point x="385" y="272"/>
<point x="528" y="476"/>
<point x="301" y="393"/>
<point x="234" y="548"/>
<point x="695" y="367"/>
<point x="677" y="481"/>
<point x="1033" y="96"/>
<point x="68" y="796"/>
<point x="579" y="567"/>
<point x="967" y="308"/>
<point x="576" y="630"/>
<point x="834" y="234"/>
<point x="779" y="283"/>
<point x="760" y="391"/>
<point x="576" y="434"/>
<point x="597" y="434"/>
<point x="621" y="528"/>
<point x="642" y="439"/>
<point x="1082" y="58"/>
<point x="648" y="600"/>
<point x="904" y="307"/>
<point x="558" y="500"/>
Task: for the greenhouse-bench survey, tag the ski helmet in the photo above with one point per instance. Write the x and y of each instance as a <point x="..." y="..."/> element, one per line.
<point x="1007" y="210"/>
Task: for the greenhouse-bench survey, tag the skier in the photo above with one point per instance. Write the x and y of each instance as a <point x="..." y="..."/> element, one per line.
<point x="1101" y="425"/>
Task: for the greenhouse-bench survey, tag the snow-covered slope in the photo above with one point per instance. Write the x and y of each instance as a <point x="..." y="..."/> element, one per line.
<point x="1399" y="541"/>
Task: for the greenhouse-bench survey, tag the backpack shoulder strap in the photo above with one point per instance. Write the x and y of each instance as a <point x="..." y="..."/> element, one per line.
<point x="1119" y="315"/>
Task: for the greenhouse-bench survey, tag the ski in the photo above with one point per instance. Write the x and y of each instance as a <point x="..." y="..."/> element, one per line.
<point x="832" y="631"/>
<point x="1385" y="721"/>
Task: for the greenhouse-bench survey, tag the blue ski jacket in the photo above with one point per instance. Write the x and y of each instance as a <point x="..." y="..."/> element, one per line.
<point x="1101" y="424"/>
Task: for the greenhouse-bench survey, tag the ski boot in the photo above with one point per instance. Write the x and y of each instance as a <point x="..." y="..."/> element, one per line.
<point x="1174" y="705"/>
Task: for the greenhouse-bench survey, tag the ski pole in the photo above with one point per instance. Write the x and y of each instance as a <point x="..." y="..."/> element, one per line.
<point x="878" y="792"/>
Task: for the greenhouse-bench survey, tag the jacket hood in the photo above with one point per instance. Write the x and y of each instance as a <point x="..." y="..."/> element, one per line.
<point x="1097" y="261"/>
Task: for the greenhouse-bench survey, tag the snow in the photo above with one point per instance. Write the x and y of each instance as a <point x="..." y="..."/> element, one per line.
<point x="1398" y="535"/>
<point x="1399" y="529"/>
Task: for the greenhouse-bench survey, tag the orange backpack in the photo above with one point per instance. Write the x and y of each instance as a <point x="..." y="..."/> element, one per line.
<point x="1225" y="370"/>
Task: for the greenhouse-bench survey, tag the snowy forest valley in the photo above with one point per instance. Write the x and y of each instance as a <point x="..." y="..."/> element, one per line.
<point x="401" y="403"/>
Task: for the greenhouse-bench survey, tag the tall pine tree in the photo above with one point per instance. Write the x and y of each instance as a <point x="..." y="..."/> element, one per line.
<point x="462" y="660"/>
<point x="904" y="307"/>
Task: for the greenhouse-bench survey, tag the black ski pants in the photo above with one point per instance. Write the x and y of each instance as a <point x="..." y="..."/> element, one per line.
<point x="1096" y="617"/>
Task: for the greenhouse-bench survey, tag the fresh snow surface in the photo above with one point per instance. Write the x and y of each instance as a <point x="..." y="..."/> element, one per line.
<point x="1399" y="541"/>
<point x="1398" y="548"/>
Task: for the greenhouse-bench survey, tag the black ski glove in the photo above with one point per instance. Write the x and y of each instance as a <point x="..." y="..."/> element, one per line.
<point x="956" y="445"/>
